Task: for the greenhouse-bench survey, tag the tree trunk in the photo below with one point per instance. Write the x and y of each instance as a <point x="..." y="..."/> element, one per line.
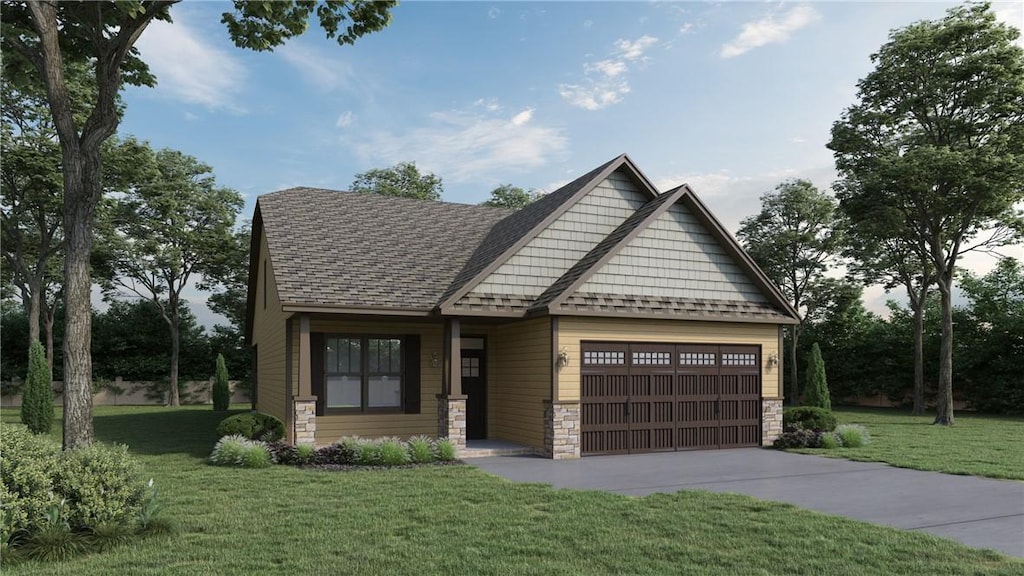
<point x="794" y="386"/>
<point x="173" y="397"/>
<point x="919" y="353"/>
<point x="48" y="317"/>
<point x="944" y="398"/>
<point x="81" y="189"/>
<point x="32" y="308"/>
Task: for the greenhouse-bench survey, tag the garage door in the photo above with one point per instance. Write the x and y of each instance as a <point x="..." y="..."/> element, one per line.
<point x="667" y="397"/>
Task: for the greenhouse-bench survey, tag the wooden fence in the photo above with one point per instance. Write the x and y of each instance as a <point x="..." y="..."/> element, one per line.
<point x="131" y="393"/>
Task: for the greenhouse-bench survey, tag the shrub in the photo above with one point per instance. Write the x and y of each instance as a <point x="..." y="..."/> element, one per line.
<point x="798" y="438"/>
<point x="37" y="398"/>
<point x="305" y="454"/>
<point x="445" y="450"/>
<point x="809" y="418"/>
<point x="339" y="454"/>
<point x="221" y="392"/>
<point x="421" y="450"/>
<point x="816" y="388"/>
<point x="28" y="464"/>
<point x="393" y="452"/>
<point x="831" y="441"/>
<point x="368" y="453"/>
<point x="853" y="435"/>
<point x="102" y="485"/>
<point x="237" y="450"/>
<point x="252" y="425"/>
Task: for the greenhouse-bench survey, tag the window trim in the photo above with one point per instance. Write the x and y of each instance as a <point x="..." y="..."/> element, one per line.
<point x="364" y="375"/>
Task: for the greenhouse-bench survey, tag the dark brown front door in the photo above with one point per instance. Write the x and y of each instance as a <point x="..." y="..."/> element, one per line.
<point x="655" y="397"/>
<point x="474" y="386"/>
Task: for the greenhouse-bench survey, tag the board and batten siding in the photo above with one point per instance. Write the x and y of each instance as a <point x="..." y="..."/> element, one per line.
<point x="331" y="428"/>
<point x="519" y="381"/>
<point x="675" y="257"/>
<point x="531" y="270"/>
<point x="574" y="330"/>
<point x="268" y="335"/>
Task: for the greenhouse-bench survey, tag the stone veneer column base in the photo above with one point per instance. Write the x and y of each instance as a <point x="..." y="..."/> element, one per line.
<point x="305" y="420"/>
<point x="771" y="420"/>
<point x="561" y="430"/>
<point x="451" y="419"/>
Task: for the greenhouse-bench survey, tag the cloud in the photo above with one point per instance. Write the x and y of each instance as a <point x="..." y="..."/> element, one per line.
<point x="324" y="71"/>
<point x="493" y="12"/>
<point x="770" y="30"/>
<point x="1011" y="13"/>
<point x="588" y="23"/>
<point x="189" y="68"/>
<point x="345" y="119"/>
<point x="466" y="146"/>
<point x="687" y="28"/>
<point x="604" y="82"/>
<point x="489" y="104"/>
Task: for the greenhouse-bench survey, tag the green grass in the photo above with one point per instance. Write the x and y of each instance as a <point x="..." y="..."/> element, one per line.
<point x="459" y="520"/>
<point x="991" y="446"/>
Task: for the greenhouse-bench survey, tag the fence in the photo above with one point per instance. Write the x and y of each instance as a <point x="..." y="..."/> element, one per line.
<point x="132" y="393"/>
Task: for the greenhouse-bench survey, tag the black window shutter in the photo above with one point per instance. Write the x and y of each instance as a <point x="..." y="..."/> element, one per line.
<point x="411" y="365"/>
<point x="316" y="371"/>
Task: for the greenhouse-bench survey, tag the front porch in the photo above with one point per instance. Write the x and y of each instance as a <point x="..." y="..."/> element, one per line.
<point x="484" y="448"/>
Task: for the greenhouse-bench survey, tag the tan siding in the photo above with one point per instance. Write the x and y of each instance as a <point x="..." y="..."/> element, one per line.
<point x="555" y="249"/>
<point x="677" y="257"/>
<point x="331" y="428"/>
<point x="268" y="334"/>
<point x="519" y="381"/>
<point x="573" y="330"/>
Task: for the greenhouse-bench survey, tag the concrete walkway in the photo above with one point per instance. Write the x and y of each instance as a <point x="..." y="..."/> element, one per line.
<point x="976" y="511"/>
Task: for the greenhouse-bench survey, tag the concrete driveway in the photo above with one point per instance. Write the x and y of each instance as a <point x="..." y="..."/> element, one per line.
<point x="976" y="511"/>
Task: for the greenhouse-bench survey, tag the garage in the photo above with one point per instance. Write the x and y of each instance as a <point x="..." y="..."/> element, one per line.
<point x="641" y="397"/>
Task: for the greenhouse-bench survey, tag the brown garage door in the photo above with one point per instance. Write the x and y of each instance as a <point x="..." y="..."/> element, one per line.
<point x="663" y="397"/>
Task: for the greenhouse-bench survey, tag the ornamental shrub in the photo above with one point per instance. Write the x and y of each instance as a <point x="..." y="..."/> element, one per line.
<point x="445" y="450"/>
<point x="338" y="454"/>
<point x="421" y="449"/>
<point x="102" y="485"/>
<point x="221" y="392"/>
<point x="809" y="418"/>
<point x="816" y="388"/>
<point x="853" y="435"/>
<point x="252" y="425"/>
<point x="831" y="440"/>
<point x="37" y="397"/>
<point x="28" y="464"/>
<point x="368" y="453"/>
<point x="393" y="452"/>
<point x="798" y="438"/>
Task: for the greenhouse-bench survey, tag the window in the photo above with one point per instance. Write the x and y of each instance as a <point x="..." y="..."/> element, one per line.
<point x="363" y="373"/>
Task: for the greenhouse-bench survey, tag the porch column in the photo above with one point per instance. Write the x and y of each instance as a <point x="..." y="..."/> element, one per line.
<point x="305" y="403"/>
<point x="451" y="403"/>
<point x="561" y="429"/>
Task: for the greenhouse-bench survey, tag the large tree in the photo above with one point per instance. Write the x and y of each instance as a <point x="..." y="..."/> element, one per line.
<point x="938" y="138"/>
<point x="509" y="196"/>
<point x="402" y="180"/>
<point x="792" y="239"/>
<point x="42" y="39"/>
<point x="166" y="230"/>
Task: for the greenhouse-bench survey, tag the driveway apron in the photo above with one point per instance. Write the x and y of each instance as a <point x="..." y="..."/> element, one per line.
<point x="979" y="512"/>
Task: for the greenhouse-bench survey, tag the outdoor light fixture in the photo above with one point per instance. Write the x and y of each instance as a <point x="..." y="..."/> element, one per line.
<point x="773" y="360"/>
<point x="434" y="360"/>
<point x="563" y="357"/>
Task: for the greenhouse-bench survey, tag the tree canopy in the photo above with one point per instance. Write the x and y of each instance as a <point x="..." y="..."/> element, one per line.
<point x="403" y="180"/>
<point x="937" y="141"/>
<point x="509" y="196"/>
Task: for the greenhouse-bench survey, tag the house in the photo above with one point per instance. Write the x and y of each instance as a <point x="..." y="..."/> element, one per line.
<point x="605" y="317"/>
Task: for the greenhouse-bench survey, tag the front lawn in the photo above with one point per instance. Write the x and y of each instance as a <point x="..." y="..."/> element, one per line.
<point x="459" y="520"/>
<point x="991" y="446"/>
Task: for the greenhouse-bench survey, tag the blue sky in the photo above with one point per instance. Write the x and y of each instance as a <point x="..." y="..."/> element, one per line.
<point x="729" y="97"/>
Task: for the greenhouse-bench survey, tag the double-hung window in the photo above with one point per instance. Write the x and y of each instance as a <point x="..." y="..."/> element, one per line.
<point x="363" y="373"/>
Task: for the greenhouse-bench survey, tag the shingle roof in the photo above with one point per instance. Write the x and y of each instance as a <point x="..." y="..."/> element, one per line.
<point x="694" y="309"/>
<point x="364" y="250"/>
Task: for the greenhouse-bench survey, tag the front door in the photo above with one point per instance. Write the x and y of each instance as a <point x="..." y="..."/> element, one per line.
<point x="474" y="386"/>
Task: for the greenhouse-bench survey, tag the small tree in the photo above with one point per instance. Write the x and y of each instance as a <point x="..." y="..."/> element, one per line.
<point x="221" y="393"/>
<point x="816" y="389"/>
<point x="37" y="400"/>
<point x="402" y="180"/>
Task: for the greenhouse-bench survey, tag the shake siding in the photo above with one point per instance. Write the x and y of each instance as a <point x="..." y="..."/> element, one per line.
<point x="331" y="428"/>
<point x="268" y="335"/>
<point x="674" y="257"/>
<point x="573" y="330"/>
<point x="519" y="380"/>
<point x="545" y="258"/>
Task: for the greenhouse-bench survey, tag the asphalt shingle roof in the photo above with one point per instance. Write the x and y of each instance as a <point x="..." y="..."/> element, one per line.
<point x="365" y="250"/>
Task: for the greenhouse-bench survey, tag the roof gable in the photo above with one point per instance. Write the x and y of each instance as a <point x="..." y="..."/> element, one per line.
<point x="578" y="216"/>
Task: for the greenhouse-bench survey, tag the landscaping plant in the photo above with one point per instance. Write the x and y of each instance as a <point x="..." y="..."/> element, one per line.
<point x="853" y="435"/>
<point x="808" y="418"/>
<point x="252" y="425"/>
<point x="221" y="392"/>
<point x="37" y="398"/>
<point x="816" y="389"/>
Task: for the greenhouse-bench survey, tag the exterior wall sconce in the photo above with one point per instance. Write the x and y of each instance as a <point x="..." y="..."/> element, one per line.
<point x="773" y="360"/>
<point x="563" y="357"/>
<point x="435" y="361"/>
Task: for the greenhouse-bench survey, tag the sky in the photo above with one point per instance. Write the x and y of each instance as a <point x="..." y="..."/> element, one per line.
<point x="730" y="97"/>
